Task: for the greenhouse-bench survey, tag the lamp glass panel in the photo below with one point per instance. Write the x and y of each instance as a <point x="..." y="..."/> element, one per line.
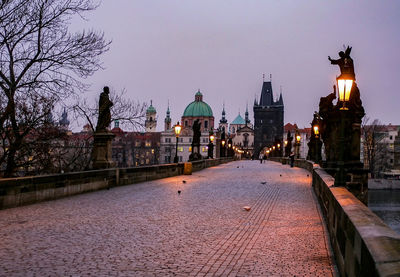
<point x="349" y="84"/>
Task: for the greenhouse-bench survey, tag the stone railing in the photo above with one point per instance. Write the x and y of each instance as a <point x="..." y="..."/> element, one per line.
<point x="16" y="192"/>
<point x="363" y="244"/>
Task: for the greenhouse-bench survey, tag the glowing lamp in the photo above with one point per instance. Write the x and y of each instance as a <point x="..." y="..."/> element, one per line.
<point x="229" y="145"/>
<point x="223" y="143"/>
<point x="316" y="130"/>
<point x="212" y="137"/>
<point x="286" y="142"/>
<point x="344" y="90"/>
<point x="298" y="138"/>
<point x="273" y="147"/>
<point x="279" y="145"/>
<point x="177" y="129"/>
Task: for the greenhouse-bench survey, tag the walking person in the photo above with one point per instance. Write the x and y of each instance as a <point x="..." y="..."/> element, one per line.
<point x="291" y="156"/>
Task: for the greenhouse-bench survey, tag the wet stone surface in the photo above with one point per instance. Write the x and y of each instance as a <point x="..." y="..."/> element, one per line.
<point x="148" y="229"/>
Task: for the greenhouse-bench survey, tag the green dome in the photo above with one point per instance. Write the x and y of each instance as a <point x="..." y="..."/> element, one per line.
<point x="151" y="109"/>
<point x="198" y="108"/>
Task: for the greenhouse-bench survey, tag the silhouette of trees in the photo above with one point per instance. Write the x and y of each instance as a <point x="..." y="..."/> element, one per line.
<point x="41" y="64"/>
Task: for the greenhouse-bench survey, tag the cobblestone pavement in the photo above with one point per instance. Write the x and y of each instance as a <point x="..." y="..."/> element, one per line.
<point x="148" y="229"/>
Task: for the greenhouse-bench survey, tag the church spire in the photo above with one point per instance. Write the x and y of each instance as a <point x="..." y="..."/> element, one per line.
<point x="223" y="119"/>
<point x="246" y="114"/>
<point x="167" y="120"/>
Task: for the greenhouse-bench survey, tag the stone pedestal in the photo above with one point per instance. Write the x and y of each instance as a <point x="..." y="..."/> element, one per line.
<point x="101" y="155"/>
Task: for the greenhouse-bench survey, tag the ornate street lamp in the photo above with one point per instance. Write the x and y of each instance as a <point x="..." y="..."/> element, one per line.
<point x="316" y="131"/>
<point x="177" y="129"/>
<point x="211" y="145"/>
<point x="345" y="83"/>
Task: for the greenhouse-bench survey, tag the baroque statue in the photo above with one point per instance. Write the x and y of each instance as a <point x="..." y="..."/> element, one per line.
<point x="105" y="105"/>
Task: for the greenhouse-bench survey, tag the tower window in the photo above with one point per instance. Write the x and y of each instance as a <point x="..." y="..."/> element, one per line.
<point x="186" y="123"/>
<point x="205" y="124"/>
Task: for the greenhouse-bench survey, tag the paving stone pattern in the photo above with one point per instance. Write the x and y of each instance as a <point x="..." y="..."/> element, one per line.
<point x="148" y="229"/>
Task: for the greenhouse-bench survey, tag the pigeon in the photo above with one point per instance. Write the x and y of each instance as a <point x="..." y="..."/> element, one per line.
<point x="308" y="175"/>
<point x="184" y="181"/>
<point x="237" y="167"/>
<point x="263" y="183"/>
<point x="179" y="192"/>
<point x="280" y="175"/>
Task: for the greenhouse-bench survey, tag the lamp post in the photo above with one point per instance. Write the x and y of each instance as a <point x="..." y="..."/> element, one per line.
<point x="223" y="148"/>
<point x="211" y="145"/>
<point x="345" y="82"/>
<point x="177" y="129"/>
<point x="298" y="139"/>
<point x="316" y="136"/>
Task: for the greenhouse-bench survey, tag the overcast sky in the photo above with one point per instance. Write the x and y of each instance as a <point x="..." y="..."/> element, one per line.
<point x="167" y="49"/>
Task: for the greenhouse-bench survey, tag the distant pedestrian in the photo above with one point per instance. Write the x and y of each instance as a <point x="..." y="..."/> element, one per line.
<point x="291" y="156"/>
<point x="265" y="158"/>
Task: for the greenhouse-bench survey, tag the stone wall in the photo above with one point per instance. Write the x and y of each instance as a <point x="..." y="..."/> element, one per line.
<point x="16" y="192"/>
<point x="362" y="243"/>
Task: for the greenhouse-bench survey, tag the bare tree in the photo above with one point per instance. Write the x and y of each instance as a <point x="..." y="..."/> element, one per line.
<point x="375" y="148"/>
<point x="41" y="63"/>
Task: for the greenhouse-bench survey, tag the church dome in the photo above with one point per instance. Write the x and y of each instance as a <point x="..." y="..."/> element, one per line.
<point x="198" y="107"/>
<point x="151" y="109"/>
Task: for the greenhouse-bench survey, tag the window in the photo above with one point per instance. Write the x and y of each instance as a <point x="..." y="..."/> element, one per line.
<point x="148" y="143"/>
<point x="180" y="158"/>
<point x="181" y="139"/>
<point x="167" y="139"/>
<point x="137" y="143"/>
<point x="391" y="137"/>
<point x="152" y="151"/>
<point x="180" y="149"/>
<point x="190" y="140"/>
<point x="206" y="124"/>
<point x="204" y="149"/>
<point x="233" y="129"/>
<point x="190" y="148"/>
<point x="186" y="123"/>
<point x="147" y="161"/>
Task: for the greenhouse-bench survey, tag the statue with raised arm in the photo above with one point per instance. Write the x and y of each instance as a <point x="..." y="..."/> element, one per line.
<point x="105" y="105"/>
<point x="345" y="64"/>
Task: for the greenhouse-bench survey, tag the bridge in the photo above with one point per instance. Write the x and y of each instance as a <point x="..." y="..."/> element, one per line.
<point x="240" y="218"/>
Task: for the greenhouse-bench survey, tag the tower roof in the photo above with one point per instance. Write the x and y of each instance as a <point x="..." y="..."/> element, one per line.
<point x="239" y="120"/>
<point x="151" y="109"/>
<point x="266" y="98"/>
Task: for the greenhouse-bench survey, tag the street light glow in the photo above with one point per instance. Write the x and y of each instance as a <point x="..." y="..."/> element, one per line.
<point x="177" y="129"/>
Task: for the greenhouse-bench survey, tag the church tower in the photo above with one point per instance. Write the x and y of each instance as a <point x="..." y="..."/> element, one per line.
<point x="167" y="120"/>
<point x="268" y="119"/>
<point x="223" y="123"/>
<point x="151" y="121"/>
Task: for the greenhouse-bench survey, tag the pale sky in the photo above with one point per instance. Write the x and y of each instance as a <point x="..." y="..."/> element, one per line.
<point x="167" y="49"/>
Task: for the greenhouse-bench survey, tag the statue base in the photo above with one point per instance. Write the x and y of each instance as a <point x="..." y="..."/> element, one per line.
<point x="102" y="155"/>
<point x="356" y="179"/>
<point x="195" y="157"/>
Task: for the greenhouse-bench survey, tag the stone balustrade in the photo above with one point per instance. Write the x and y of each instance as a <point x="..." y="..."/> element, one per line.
<point x="20" y="191"/>
<point x="362" y="243"/>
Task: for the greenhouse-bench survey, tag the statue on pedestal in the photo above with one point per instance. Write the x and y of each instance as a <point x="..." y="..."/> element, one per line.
<point x="101" y="154"/>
